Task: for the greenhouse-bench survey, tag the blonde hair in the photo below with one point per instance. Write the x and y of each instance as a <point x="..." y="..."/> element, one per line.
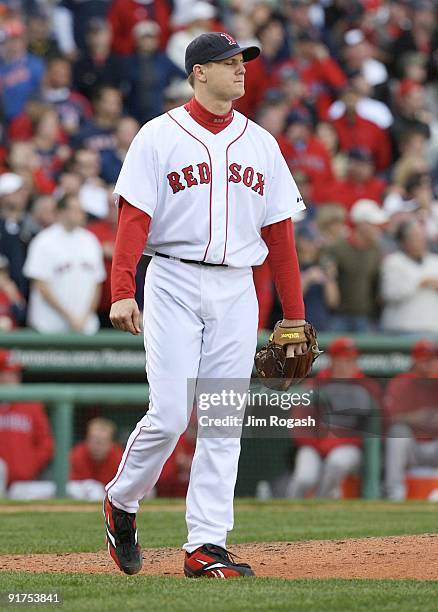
<point x="329" y="213"/>
<point x="101" y="423"/>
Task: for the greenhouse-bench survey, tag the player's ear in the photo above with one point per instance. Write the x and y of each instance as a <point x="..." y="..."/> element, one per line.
<point x="199" y="71"/>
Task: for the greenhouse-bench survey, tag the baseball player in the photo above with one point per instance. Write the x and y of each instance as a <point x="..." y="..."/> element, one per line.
<point x="327" y="455"/>
<point x="411" y="419"/>
<point x="209" y="194"/>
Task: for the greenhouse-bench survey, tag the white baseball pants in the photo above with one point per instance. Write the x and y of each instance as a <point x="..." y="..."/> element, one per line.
<point x="3" y="477"/>
<point x="325" y="474"/>
<point x="401" y="452"/>
<point x="199" y="322"/>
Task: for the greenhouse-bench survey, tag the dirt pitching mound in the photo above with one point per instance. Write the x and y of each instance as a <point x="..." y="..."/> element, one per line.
<point x="396" y="557"/>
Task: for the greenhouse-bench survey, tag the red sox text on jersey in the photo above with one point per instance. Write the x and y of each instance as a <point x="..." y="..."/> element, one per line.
<point x="198" y="174"/>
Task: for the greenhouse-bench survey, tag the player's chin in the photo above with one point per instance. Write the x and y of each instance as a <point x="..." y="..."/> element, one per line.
<point x="239" y="91"/>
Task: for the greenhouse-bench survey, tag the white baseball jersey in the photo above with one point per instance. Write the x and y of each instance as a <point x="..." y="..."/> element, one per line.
<point x="208" y="194"/>
<point x="72" y="264"/>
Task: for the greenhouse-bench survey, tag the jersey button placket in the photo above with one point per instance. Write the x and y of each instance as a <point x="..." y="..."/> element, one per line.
<point x="218" y="207"/>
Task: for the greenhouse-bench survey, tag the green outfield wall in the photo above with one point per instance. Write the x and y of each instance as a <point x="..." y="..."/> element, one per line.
<point x="112" y="353"/>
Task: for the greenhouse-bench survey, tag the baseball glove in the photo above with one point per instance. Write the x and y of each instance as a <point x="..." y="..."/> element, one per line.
<point x="276" y="370"/>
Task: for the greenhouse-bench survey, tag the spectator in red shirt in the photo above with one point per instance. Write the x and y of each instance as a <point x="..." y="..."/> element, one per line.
<point x="98" y="456"/>
<point x="320" y="74"/>
<point x="411" y="416"/>
<point x="26" y="443"/>
<point x="360" y="182"/>
<point x="124" y="14"/>
<point x="303" y="152"/>
<point x="356" y="132"/>
<point x="367" y="106"/>
<point x="325" y="454"/>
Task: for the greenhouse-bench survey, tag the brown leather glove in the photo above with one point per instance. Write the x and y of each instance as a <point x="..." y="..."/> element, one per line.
<point x="278" y="371"/>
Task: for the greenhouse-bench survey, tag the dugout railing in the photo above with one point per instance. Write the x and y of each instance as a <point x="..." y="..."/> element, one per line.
<point x="111" y="353"/>
<point x="63" y="398"/>
<point x="115" y="361"/>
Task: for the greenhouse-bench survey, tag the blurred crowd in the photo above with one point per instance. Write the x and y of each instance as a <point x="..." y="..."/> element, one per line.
<point x="349" y="88"/>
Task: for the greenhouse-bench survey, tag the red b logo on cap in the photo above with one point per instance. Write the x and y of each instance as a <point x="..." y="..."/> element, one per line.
<point x="230" y="39"/>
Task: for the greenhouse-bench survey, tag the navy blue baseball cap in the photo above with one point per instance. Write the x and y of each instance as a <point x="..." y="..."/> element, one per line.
<point x="299" y="115"/>
<point x="215" y="46"/>
<point x="360" y="154"/>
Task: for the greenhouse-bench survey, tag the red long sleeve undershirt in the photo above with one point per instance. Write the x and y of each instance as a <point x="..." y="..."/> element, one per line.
<point x="283" y="261"/>
<point x="133" y="231"/>
<point x="132" y="234"/>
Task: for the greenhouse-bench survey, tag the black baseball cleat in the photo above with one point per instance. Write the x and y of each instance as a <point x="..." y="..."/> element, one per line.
<point x="121" y="538"/>
<point x="211" y="561"/>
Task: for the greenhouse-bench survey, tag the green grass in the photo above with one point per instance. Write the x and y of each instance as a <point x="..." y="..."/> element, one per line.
<point x="114" y="593"/>
<point x="26" y="532"/>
